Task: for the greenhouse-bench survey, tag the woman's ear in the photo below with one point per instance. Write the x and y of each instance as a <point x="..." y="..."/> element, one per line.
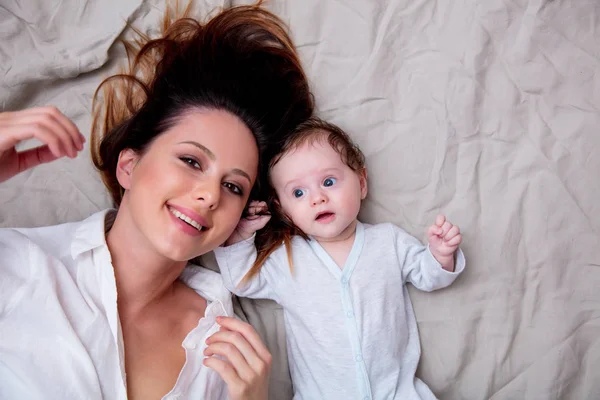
<point x="363" y="183"/>
<point x="125" y="165"/>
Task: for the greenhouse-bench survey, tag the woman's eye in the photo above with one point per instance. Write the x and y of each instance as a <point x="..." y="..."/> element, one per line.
<point x="233" y="188"/>
<point x="191" y="162"/>
<point x="329" y="182"/>
<point x="298" y="193"/>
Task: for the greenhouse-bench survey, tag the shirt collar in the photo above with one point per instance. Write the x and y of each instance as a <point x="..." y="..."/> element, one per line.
<point x="91" y="232"/>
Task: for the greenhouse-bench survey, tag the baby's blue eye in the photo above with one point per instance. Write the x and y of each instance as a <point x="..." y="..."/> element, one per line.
<point x="329" y="182"/>
<point x="298" y="193"/>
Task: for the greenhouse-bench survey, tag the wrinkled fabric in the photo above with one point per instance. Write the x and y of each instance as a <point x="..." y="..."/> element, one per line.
<point x="487" y="111"/>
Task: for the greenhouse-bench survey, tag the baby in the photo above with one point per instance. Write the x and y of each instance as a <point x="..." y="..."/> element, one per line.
<point x="351" y="330"/>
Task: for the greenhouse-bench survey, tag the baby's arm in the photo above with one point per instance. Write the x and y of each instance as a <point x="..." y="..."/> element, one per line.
<point x="236" y="258"/>
<point x="421" y="267"/>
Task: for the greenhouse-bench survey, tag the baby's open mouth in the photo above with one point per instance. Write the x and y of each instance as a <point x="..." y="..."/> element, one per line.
<point x="324" y="215"/>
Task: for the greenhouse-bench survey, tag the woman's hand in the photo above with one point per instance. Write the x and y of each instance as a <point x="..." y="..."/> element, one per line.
<point x="246" y="362"/>
<point x="47" y="124"/>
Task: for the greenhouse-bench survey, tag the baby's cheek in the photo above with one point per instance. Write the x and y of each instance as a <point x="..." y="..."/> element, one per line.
<point x="300" y="219"/>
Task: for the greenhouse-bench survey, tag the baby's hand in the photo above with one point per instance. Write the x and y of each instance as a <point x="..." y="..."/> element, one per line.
<point x="256" y="219"/>
<point x="444" y="239"/>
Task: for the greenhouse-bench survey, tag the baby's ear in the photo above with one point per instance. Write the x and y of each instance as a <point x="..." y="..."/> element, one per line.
<point x="363" y="183"/>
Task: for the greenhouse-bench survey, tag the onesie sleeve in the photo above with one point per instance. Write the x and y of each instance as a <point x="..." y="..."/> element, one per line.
<point x="419" y="267"/>
<point x="235" y="261"/>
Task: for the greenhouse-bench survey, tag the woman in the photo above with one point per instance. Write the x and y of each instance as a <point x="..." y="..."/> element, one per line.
<point x="108" y="307"/>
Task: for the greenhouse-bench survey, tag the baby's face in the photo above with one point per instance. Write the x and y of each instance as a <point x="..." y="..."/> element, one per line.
<point x="318" y="191"/>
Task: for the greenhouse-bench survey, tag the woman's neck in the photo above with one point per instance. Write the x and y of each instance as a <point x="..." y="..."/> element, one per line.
<point x="143" y="277"/>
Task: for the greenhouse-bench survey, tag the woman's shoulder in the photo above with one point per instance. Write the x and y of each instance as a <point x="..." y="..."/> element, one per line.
<point x="43" y="236"/>
<point x="208" y="284"/>
<point x="53" y="240"/>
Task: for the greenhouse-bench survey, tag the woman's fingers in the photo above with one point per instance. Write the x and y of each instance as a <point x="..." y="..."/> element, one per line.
<point x="45" y="124"/>
<point x="46" y="128"/>
<point x="233" y="355"/>
<point x="33" y="157"/>
<point x="40" y="131"/>
<point x="67" y="126"/>
<point x="11" y="135"/>
<point x="248" y="333"/>
<point x="244" y="362"/>
<point x="225" y="370"/>
<point x="240" y="344"/>
<point x="231" y="340"/>
<point x="59" y="136"/>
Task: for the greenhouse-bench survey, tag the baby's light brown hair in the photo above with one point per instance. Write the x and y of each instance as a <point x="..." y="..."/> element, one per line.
<point x="281" y="228"/>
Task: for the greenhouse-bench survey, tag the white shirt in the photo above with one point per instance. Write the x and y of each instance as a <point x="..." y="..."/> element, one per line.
<point x="60" y="335"/>
<point x="351" y="333"/>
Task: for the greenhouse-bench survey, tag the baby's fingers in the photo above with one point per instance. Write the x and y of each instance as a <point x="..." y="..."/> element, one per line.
<point x="433" y="231"/>
<point x="446" y="228"/>
<point x="257" y="207"/>
<point x="453" y="231"/>
<point x="440" y="219"/>
<point x="455" y="241"/>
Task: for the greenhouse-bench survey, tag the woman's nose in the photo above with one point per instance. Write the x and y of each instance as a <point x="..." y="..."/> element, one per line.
<point x="208" y="194"/>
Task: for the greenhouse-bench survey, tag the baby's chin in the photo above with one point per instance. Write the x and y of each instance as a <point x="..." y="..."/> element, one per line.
<point x="327" y="236"/>
<point x="334" y="233"/>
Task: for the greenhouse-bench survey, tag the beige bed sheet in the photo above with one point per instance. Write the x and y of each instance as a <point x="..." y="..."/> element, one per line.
<point x="487" y="111"/>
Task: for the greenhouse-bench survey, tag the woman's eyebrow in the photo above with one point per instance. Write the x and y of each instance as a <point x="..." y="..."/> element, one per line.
<point x="209" y="153"/>
<point x="240" y="172"/>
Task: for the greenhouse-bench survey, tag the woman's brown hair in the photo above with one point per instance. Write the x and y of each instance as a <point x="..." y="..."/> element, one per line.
<point x="242" y="61"/>
<point x="281" y="228"/>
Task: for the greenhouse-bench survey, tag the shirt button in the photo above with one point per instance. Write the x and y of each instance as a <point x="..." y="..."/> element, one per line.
<point x="358" y="358"/>
<point x="190" y="345"/>
<point x="344" y="281"/>
<point x="349" y="314"/>
<point x="367" y="398"/>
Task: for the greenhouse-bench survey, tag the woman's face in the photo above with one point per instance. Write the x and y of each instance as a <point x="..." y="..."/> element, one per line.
<point x="186" y="193"/>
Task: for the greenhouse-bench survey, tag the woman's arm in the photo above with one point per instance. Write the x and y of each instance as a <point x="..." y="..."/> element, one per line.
<point x="46" y="124"/>
<point x="246" y="362"/>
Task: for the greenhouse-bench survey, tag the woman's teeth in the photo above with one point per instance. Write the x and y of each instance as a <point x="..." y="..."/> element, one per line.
<point x="185" y="218"/>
